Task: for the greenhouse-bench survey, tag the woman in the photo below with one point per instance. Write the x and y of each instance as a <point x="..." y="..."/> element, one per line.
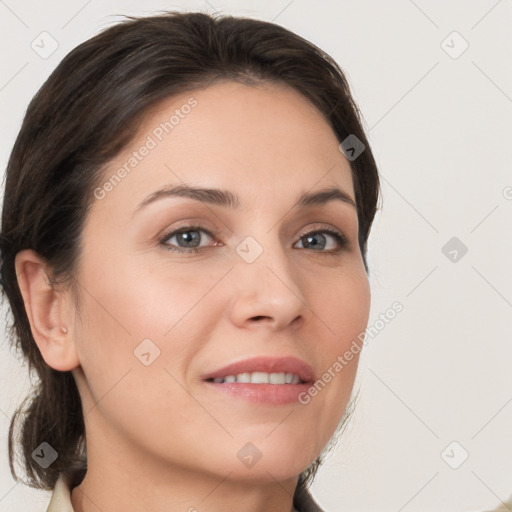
<point x="184" y="230"/>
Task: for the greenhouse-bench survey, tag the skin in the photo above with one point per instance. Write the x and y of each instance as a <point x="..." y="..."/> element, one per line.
<point x="158" y="438"/>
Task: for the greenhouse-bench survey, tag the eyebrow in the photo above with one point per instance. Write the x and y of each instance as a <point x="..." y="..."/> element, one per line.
<point x="228" y="199"/>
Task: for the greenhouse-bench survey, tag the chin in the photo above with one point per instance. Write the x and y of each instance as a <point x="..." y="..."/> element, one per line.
<point x="267" y="460"/>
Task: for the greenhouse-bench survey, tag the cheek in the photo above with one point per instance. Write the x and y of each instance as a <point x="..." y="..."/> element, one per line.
<point x="343" y="306"/>
<point x="128" y="318"/>
<point x="143" y="314"/>
<point x="140" y="300"/>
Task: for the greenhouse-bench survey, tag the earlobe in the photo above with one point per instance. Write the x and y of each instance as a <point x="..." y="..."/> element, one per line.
<point x="46" y="311"/>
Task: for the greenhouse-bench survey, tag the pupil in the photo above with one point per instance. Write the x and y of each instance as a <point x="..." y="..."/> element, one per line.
<point x="312" y="237"/>
<point x="186" y="237"/>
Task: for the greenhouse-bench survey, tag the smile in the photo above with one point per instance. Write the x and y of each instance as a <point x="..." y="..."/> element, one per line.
<point x="260" y="378"/>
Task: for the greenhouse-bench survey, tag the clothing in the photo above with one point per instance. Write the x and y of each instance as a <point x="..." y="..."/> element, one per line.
<point x="61" y="497"/>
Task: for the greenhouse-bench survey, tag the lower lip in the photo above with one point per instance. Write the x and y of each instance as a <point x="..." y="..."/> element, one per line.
<point x="271" y="394"/>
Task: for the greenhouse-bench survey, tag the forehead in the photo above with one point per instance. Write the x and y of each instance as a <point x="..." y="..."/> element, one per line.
<point x="259" y="141"/>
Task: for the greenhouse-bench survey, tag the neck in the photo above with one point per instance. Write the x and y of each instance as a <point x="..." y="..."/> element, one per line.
<point x="129" y="482"/>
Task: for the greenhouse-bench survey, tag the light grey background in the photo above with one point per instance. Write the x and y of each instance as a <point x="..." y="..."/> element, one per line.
<point x="440" y="126"/>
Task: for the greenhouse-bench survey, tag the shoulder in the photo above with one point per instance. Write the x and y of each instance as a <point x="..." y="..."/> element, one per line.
<point x="504" y="506"/>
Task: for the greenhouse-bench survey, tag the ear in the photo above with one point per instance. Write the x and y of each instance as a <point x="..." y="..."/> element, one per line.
<point x="48" y="312"/>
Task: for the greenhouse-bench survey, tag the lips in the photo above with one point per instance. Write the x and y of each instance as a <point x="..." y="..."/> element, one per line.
<point x="268" y="365"/>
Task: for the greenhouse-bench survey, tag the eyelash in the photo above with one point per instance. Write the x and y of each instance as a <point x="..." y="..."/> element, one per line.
<point x="339" y="237"/>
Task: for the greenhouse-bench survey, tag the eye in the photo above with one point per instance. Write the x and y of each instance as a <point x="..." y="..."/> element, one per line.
<point x="316" y="240"/>
<point x="187" y="239"/>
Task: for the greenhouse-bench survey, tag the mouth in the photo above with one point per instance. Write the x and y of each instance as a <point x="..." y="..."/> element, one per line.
<point x="267" y="380"/>
<point x="264" y="370"/>
<point x="281" y="378"/>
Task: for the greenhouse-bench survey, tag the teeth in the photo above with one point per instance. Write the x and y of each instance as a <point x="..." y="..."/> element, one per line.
<point x="243" y="377"/>
<point x="261" y="378"/>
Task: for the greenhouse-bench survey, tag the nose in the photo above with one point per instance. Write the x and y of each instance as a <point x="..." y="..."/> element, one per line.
<point x="268" y="291"/>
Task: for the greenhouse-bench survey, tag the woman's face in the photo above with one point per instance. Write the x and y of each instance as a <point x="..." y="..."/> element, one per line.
<point x="162" y="311"/>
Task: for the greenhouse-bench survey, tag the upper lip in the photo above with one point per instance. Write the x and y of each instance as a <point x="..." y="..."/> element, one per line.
<point x="267" y="364"/>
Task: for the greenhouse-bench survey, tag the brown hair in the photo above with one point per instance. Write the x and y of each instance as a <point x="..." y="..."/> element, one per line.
<point x="84" y="114"/>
